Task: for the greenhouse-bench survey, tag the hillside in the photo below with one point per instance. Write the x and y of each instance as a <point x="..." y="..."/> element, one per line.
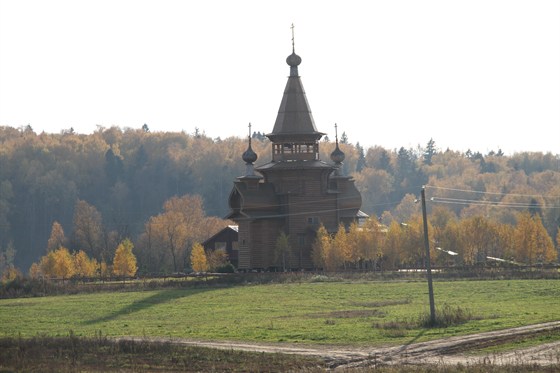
<point x="123" y="177"/>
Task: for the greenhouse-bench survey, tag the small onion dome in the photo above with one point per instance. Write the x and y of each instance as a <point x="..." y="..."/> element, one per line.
<point x="249" y="156"/>
<point x="337" y="156"/>
<point x="293" y="60"/>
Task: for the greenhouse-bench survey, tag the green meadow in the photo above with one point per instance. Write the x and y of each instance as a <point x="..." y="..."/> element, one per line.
<point x="346" y="313"/>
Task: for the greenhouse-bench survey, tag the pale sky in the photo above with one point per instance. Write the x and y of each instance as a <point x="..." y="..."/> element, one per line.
<point x="478" y="74"/>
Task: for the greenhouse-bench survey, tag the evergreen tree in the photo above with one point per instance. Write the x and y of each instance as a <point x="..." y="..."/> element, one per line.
<point x="429" y="152"/>
<point x="361" y="163"/>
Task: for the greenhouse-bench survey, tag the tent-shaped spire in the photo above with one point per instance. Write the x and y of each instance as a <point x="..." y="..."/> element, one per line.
<point x="294" y="116"/>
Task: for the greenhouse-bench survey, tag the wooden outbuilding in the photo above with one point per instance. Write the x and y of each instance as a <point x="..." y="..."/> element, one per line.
<point x="228" y="240"/>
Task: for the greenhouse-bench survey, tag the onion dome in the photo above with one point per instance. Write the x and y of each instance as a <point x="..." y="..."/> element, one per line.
<point x="337" y="156"/>
<point x="249" y="156"/>
<point x="293" y="61"/>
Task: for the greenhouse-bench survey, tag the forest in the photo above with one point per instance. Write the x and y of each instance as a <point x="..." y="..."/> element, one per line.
<point x="92" y="192"/>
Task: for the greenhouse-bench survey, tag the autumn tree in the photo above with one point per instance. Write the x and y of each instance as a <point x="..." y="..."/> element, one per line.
<point x="57" y="238"/>
<point x="35" y="271"/>
<point x="407" y="209"/>
<point x="7" y="258"/>
<point x="46" y="265"/>
<point x="6" y="196"/>
<point x="64" y="264"/>
<point x="341" y="247"/>
<point x="532" y="242"/>
<point x="10" y="274"/>
<point x="478" y="240"/>
<point x="394" y="242"/>
<point x="333" y="257"/>
<point x="124" y="262"/>
<point x="216" y="259"/>
<point x="58" y="264"/>
<point x="321" y="248"/>
<point x="88" y="229"/>
<point x="172" y="232"/>
<point x="170" y="235"/>
<point x="368" y="242"/>
<point x="85" y="266"/>
<point x="198" y="258"/>
<point x="375" y="186"/>
<point x="283" y="251"/>
<point x="413" y="251"/>
<point x="449" y="238"/>
<point x="104" y="270"/>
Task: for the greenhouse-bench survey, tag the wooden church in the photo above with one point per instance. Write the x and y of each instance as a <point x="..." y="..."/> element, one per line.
<point x="295" y="192"/>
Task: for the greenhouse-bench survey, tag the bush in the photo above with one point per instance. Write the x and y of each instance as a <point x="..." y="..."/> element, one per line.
<point x="227" y="268"/>
<point x="446" y="316"/>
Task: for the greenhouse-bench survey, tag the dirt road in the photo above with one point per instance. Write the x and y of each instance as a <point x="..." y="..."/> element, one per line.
<point x="446" y="351"/>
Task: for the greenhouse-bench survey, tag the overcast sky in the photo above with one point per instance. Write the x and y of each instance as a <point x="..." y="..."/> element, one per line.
<point x="469" y="74"/>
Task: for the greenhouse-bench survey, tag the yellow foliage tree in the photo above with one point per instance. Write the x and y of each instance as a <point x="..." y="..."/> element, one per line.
<point x="163" y="245"/>
<point x="321" y="247"/>
<point x="57" y="238"/>
<point x="58" y="264"/>
<point x="532" y="244"/>
<point x="35" y="271"/>
<point x="198" y="258"/>
<point x="369" y="241"/>
<point x="412" y="250"/>
<point x="170" y="234"/>
<point x="341" y="248"/>
<point x="124" y="263"/>
<point x="46" y="265"/>
<point x="85" y="267"/>
<point x="10" y="274"/>
<point x="394" y="242"/>
<point x="216" y="259"/>
<point x="104" y="270"/>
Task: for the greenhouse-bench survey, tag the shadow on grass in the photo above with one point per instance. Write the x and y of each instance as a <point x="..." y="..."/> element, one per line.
<point x="160" y="297"/>
<point x="416" y="338"/>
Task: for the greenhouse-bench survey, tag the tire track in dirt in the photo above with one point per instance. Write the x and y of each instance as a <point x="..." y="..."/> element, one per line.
<point x="447" y="351"/>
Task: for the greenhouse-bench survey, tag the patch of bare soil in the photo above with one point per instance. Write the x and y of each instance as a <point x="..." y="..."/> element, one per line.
<point x="442" y="351"/>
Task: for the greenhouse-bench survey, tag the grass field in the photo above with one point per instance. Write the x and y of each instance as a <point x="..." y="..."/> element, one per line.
<point x="372" y="313"/>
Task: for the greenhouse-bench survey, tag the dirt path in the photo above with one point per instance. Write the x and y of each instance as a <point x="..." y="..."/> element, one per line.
<point x="446" y="351"/>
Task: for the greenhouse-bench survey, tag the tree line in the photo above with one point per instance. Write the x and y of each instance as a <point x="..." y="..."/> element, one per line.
<point x="117" y="184"/>
<point x="467" y="242"/>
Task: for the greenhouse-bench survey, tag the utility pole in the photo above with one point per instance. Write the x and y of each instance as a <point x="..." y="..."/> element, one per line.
<point x="428" y="264"/>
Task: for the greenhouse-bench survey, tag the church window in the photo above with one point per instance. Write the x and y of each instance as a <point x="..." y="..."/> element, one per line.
<point x="313" y="220"/>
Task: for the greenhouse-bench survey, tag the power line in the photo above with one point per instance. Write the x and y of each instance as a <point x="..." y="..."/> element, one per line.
<point x="491" y="193"/>
<point x="459" y="201"/>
